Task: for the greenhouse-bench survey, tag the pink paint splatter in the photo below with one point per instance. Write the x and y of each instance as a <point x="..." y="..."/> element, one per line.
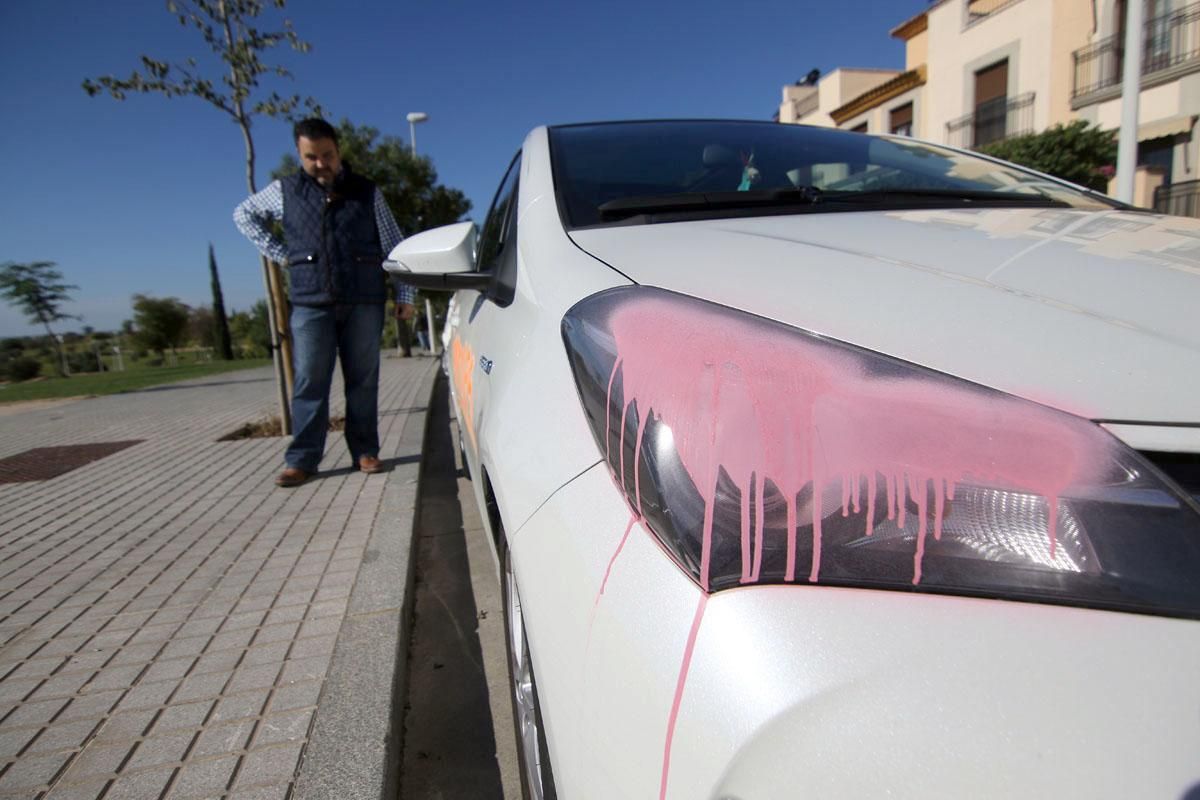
<point x="738" y="395"/>
<point x="613" y="560"/>
<point x="679" y="684"/>
<point x="633" y="519"/>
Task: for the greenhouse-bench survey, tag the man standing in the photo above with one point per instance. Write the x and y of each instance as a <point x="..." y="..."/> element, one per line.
<point x="337" y="230"/>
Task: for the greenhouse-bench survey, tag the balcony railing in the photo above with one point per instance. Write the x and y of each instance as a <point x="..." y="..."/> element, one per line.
<point x="979" y="10"/>
<point x="807" y="105"/>
<point x="1169" y="40"/>
<point x="1179" y="199"/>
<point x="992" y="121"/>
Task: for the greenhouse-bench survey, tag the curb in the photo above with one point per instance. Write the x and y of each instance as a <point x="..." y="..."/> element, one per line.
<point x="354" y="749"/>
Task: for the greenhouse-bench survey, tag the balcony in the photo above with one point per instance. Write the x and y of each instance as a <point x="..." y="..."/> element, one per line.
<point x="1171" y="43"/>
<point x="1179" y="199"/>
<point x="979" y="10"/>
<point x="806" y="106"/>
<point x="992" y="121"/>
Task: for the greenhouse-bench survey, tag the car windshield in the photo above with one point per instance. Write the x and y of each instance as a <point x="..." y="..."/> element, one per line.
<point x="613" y="173"/>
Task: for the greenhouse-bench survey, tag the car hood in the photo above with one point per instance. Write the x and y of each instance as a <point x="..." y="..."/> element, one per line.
<point x="1095" y="313"/>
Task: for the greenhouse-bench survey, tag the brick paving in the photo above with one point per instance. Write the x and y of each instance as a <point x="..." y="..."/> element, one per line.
<point x="167" y="615"/>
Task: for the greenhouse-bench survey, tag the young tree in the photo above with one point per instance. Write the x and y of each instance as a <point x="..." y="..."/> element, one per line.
<point x="229" y="29"/>
<point x="220" y="324"/>
<point x="37" y="289"/>
<point x="161" y="322"/>
<point x="408" y="183"/>
<point x="1075" y="152"/>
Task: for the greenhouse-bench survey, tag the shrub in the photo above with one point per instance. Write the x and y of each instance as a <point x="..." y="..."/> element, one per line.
<point x="81" y="361"/>
<point x="24" y="368"/>
<point x="1076" y="152"/>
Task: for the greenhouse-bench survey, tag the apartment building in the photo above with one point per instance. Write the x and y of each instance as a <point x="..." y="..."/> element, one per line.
<point x="979" y="71"/>
<point x="812" y="101"/>
<point x="1169" y="100"/>
<point x="996" y="68"/>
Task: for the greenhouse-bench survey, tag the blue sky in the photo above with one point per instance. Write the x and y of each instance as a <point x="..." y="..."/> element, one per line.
<point x="127" y="196"/>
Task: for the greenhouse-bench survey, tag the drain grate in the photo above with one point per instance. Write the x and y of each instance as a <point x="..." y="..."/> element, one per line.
<point x="43" y="463"/>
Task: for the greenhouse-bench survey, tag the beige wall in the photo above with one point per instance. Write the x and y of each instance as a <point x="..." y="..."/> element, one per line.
<point x="916" y="50"/>
<point x="1072" y="27"/>
<point x="1145" y="181"/>
<point x="1021" y="33"/>
<point x="1161" y="102"/>
<point x="853" y="82"/>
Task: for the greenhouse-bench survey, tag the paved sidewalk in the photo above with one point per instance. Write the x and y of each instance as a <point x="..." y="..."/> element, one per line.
<point x="173" y="625"/>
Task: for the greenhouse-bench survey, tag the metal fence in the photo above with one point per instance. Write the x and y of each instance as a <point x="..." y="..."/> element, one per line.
<point x="1180" y="199"/>
<point x="1170" y="40"/>
<point x="993" y="121"/>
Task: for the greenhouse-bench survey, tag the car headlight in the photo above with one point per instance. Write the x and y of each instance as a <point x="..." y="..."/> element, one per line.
<point x="758" y="453"/>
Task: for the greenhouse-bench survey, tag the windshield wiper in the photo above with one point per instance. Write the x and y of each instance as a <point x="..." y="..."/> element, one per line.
<point x="811" y="196"/>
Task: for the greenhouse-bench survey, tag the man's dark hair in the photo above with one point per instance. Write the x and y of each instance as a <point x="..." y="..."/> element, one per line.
<point x="314" y="128"/>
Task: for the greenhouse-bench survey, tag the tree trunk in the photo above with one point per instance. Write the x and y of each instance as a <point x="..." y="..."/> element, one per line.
<point x="58" y="363"/>
<point x="278" y="355"/>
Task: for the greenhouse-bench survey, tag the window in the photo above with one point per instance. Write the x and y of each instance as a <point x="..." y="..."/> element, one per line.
<point x="861" y="128"/>
<point x="900" y="122"/>
<point x="991" y="104"/>
<point x="495" y="225"/>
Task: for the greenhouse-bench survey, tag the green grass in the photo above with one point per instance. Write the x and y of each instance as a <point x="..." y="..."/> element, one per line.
<point x="136" y="377"/>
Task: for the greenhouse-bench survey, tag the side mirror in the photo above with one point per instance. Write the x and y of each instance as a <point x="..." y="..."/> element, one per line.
<point x="441" y="258"/>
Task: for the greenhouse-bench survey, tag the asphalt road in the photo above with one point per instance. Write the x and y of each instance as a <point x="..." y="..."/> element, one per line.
<point x="459" y="740"/>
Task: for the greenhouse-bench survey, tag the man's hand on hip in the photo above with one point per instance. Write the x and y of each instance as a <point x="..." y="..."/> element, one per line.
<point x="405" y="311"/>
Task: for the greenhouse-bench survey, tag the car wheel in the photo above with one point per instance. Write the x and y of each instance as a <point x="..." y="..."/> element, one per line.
<point x="537" y="779"/>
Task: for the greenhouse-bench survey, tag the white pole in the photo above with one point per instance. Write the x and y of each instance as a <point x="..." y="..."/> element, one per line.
<point x="429" y="326"/>
<point x="120" y="361"/>
<point x="413" y="118"/>
<point x="1130" y="90"/>
<point x="62" y="348"/>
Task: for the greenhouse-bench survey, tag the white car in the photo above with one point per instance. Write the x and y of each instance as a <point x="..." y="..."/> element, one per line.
<point x="828" y="465"/>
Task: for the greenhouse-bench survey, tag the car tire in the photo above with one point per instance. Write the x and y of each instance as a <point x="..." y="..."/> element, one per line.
<point x="533" y="756"/>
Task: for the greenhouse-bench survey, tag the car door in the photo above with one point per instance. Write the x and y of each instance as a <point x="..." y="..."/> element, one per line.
<point x="475" y="326"/>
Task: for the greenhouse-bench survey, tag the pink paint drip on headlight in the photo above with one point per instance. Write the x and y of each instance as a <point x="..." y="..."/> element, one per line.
<point x="800" y="412"/>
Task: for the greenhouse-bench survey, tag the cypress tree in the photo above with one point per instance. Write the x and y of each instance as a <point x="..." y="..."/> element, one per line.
<point x="221" y="338"/>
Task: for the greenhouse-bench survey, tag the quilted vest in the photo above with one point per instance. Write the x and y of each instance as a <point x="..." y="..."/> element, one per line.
<point x="332" y="240"/>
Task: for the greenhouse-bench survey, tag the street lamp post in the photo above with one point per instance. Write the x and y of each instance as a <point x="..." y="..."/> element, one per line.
<point x="413" y="118"/>
<point x="62" y="349"/>
<point x="1131" y="87"/>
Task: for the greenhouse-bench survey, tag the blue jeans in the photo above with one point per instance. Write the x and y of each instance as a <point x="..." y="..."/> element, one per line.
<point x="319" y="333"/>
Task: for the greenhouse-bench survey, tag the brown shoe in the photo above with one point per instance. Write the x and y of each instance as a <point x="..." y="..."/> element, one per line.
<point x="370" y="465"/>
<point x="291" y="477"/>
